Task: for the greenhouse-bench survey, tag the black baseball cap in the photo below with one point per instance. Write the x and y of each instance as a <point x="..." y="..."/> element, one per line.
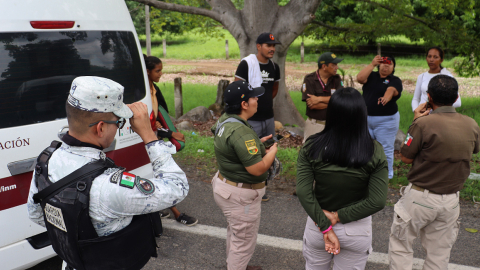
<point x="239" y="91"/>
<point x="267" y="38"/>
<point x="327" y="58"/>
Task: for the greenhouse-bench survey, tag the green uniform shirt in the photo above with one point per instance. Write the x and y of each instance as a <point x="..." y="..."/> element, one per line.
<point x="354" y="193"/>
<point x="237" y="146"/>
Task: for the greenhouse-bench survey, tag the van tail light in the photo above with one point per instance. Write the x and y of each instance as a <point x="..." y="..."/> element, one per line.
<point x="52" y="24"/>
<point x="153" y="121"/>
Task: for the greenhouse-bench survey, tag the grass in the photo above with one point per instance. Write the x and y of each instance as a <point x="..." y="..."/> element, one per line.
<point x="203" y="95"/>
<point x="193" y="46"/>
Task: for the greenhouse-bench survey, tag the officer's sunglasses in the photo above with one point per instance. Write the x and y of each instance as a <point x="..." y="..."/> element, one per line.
<point x="120" y="123"/>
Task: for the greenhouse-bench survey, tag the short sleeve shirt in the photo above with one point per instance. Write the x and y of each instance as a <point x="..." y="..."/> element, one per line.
<point x="237" y="146"/>
<point x="312" y="85"/>
<point x="270" y="74"/>
<point x="375" y="88"/>
<point x="441" y="145"/>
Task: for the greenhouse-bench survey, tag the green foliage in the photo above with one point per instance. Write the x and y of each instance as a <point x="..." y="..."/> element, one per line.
<point x="169" y="23"/>
<point x="451" y="24"/>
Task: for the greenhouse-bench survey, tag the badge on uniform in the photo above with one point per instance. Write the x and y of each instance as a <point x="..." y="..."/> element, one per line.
<point x="128" y="180"/>
<point x="304" y="87"/>
<point x="409" y="139"/>
<point x="144" y="185"/>
<point x="251" y="147"/>
<point x="116" y="176"/>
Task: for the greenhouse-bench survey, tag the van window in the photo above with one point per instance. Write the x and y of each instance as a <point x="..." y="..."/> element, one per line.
<point x="37" y="69"/>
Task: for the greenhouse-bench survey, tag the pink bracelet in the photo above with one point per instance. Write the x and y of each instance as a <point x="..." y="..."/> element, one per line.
<point x="329" y="228"/>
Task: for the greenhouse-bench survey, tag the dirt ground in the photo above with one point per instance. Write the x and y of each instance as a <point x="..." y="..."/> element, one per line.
<point x="211" y="71"/>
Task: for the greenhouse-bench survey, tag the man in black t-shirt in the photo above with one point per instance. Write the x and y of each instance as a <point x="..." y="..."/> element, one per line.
<point x="267" y="76"/>
<point x="259" y="70"/>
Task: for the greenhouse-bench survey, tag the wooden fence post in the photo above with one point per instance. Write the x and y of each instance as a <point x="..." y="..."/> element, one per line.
<point x="164" y="48"/>
<point x="147" y="30"/>
<point x="302" y="52"/>
<point x="226" y="49"/>
<point x="222" y="85"/>
<point x="178" y="97"/>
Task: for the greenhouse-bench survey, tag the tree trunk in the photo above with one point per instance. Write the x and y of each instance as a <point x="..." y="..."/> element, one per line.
<point x="258" y="16"/>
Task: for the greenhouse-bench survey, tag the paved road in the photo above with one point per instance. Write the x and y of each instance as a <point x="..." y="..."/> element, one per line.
<point x="283" y="218"/>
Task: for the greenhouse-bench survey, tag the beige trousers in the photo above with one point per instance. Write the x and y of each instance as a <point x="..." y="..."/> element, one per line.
<point x="311" y="127"/>
<point x="432" y="216"/>
<point x="241" y="207"/>
<point x="355" y="245"/>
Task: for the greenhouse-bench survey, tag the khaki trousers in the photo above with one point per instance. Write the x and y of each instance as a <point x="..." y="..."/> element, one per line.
<point x="242" y="209"/>
<point x="432" y="216"/>
<point x="311" y="127"/>
<point x="355" y="245"/>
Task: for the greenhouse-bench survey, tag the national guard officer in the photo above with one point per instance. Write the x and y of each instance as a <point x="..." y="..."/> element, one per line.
<point x="243" y="162"/>
<point x="114" y="233"/>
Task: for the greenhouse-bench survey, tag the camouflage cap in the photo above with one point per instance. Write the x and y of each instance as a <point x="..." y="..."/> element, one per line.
<point x="97" y="94"/>
<point x="327" y="58"/>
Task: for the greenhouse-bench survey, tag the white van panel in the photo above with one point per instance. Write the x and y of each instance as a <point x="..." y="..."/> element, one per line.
<point x="15" y="16"/>
<point x="89" y="14"/>
<point x="21" y="255"/>
<point x="18" y="227"/>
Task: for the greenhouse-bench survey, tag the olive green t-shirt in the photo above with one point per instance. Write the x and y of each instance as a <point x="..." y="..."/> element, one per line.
<point x="355" y="193"/>
<point x="237" y="146"/>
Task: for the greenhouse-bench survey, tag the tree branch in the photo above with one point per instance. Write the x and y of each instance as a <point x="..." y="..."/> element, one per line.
<point x="182" y="8"/>
<point x="404" y="15"/>
<point x="330" y="26"/>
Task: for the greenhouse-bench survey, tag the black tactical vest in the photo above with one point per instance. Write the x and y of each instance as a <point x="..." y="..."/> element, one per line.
<point x="70" y="228"/>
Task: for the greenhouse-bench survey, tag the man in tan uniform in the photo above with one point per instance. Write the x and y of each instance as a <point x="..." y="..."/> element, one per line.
<point x="317" y="88"/>
<point x="243" y="162"/>
<point x="439" y="144"/>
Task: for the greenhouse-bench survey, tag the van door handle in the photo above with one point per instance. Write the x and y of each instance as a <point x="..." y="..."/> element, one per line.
<point x="61" y="132"/>
<point x="22" y="166"/>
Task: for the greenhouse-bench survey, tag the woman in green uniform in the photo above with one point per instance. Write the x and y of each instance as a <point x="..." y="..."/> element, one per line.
<point x="349" y="173"/>
<point x="243" y="162"/>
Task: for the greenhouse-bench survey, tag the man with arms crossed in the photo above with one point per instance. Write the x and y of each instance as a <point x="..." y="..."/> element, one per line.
<point x="439" y="144"/>
<point x="317" y="89"/>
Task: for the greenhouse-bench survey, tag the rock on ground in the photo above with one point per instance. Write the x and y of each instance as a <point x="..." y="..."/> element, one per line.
<point x="399" y="139"/>
<point x="185" y="125"/>
<point x="278" y="125"/>
<point x="198" y="114"/>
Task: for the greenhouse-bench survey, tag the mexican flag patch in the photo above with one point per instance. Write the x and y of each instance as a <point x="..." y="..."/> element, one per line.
<point x="128" y="180"/>
<point x="409" y="139"/>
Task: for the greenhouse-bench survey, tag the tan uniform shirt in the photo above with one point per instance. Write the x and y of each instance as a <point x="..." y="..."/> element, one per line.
<point x="311" y="85"/>
<point x="441" y="145"/>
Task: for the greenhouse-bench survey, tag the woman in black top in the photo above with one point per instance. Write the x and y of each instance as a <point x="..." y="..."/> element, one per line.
<point x="154" y="71"/>
<point x="381" y="90"/>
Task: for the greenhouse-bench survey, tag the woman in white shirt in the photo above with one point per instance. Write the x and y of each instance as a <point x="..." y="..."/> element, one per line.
<point x="434" y="60"/>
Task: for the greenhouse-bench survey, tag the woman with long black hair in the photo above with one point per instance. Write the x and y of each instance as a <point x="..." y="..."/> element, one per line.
<point x="349" y="175"/>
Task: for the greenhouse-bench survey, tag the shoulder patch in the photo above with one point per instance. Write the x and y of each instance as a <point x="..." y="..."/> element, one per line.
<point x="144" y="185"/>
<point x="116" y="176"/>
<point x="251" y="146"/>
<point x="408" y="139"/>
<point x="128" y="180"/>
<point x="220" y="133"/>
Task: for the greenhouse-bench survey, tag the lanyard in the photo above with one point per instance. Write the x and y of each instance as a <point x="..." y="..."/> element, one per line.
<point x="321" y="82"/>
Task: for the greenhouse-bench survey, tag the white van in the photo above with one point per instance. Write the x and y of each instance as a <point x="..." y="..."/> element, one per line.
<point x="44" y="45"/>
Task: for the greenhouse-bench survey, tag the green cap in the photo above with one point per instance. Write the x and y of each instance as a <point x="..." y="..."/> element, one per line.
<point x="327" y="58"/>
